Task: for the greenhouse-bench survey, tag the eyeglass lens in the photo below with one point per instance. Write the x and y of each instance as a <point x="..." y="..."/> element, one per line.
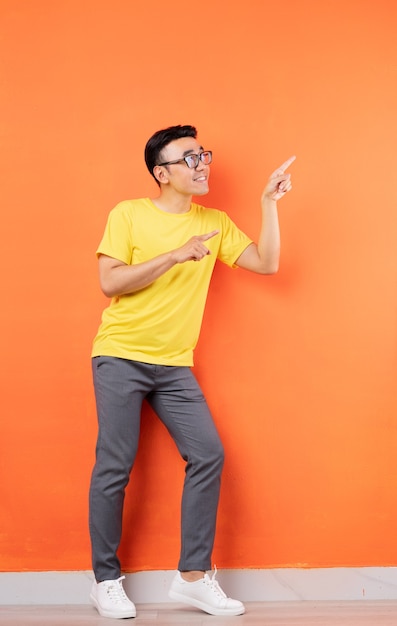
<point x="192" y="160"/>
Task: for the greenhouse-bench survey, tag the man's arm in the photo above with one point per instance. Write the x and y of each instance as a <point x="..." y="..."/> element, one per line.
<point x="117" y="278"/>
<point x="263" y="258"/>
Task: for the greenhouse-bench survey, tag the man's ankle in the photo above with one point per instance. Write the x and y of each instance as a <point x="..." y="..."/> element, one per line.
<point x="192" y="576"/>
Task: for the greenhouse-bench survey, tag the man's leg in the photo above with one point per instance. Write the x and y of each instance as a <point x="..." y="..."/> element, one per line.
<point x="120" y="387"/>
<point x="180" y="404"/>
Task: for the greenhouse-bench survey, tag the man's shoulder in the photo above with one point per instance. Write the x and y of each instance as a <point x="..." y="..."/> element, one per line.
<point x="130" y="205"/>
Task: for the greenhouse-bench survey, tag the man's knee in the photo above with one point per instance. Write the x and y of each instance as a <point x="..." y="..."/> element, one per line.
<point x="211" y="456"/>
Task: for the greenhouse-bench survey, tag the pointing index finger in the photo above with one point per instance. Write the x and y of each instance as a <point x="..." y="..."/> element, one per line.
<point x="286" y="164"/>
<point x="209" y="235"/>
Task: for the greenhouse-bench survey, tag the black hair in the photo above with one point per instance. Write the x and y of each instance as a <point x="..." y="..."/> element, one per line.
<point x="160" y="140"/>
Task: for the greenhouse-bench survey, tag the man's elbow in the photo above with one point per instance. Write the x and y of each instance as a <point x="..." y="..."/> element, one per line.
<point x="268" y="270"/>
<point x="108" y="293"/>
<point x="107" y="288"/>
<point x="270" y="265"/>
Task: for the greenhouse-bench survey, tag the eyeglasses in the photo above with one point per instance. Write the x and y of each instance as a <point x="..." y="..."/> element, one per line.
<point x="192" y="160"/>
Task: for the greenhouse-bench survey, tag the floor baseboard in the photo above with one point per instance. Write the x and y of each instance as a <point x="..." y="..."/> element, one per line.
<point x="250" y="585"/>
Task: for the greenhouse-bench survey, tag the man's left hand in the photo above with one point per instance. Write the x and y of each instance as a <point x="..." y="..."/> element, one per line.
<point x="279" y="182"/>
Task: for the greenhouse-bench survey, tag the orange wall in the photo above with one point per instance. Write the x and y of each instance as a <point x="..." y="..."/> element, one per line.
<point x="298" y="368"/>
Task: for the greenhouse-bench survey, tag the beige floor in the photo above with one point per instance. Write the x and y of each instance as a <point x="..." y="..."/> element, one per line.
<point x="369" y="613"/>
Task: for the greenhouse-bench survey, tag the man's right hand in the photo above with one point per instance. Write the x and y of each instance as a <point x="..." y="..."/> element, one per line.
<point x="194" y="249"/>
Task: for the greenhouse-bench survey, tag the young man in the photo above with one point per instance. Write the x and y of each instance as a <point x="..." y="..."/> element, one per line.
<point x="155" y="262"/>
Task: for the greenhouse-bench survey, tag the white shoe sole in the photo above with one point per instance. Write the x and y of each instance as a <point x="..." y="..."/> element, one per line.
<point x="180" y="597"/>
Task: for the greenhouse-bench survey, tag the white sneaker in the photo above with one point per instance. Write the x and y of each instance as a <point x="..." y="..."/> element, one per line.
<point x="205" y="594"/>
<point x="110" y="599"/>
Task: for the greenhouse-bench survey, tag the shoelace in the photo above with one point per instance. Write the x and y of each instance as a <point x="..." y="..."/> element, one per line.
<point x="214" y="585"/>
<point x="116" y="591"/>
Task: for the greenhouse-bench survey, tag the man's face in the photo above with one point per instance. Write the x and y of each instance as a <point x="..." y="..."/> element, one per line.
<point x="185" y="180"/>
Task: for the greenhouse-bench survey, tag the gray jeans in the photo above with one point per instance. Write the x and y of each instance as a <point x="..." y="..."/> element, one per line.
<point x="120" y="387"/>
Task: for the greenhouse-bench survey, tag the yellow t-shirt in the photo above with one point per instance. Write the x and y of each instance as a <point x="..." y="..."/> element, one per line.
<point x="160" y="324"/>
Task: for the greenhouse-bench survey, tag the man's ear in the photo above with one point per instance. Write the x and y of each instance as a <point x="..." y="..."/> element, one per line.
<point x="161" y="174"/>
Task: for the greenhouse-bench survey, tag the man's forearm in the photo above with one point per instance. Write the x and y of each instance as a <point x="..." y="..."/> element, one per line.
<point x="269" y="237"/>
<point x="118" y="279"/>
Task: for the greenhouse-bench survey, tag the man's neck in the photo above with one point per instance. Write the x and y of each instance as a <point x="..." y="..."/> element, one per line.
<point x="172" y="202"/>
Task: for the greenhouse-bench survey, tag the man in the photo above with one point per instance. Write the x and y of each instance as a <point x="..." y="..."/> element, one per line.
<point x="155" y="261"/>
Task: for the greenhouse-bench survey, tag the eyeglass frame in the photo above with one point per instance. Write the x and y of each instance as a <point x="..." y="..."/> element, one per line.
<point x="198" y="157"/>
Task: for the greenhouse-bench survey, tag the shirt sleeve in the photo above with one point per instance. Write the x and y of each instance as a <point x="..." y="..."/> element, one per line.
<point x="233" y="242"/>
<point x="117" y="240"/>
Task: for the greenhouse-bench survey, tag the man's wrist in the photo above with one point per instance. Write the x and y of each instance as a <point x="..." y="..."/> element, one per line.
<point x="268" y="201"/>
